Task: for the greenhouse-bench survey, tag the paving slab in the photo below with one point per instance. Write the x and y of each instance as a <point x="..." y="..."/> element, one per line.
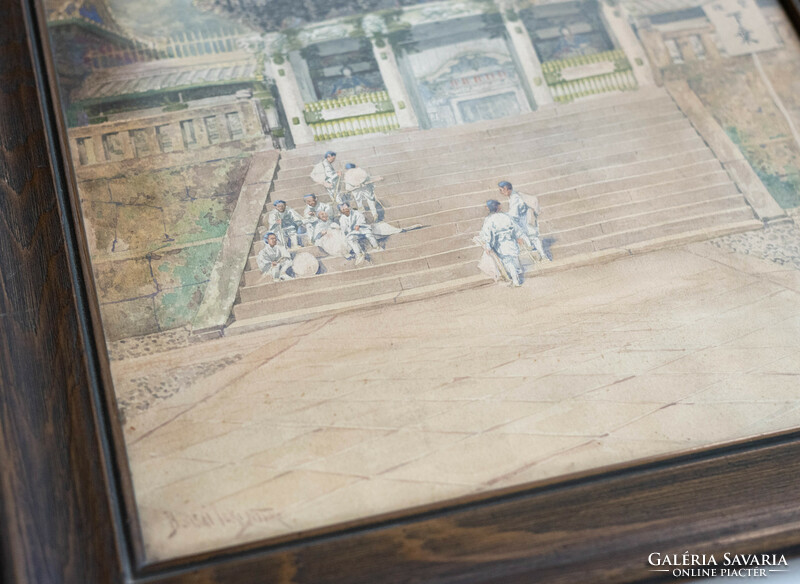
<point x="414" y="403"/>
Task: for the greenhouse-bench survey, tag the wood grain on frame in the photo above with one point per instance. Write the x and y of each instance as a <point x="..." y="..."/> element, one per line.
<point x="58" y="502"/>
<point x="56" y="519"/>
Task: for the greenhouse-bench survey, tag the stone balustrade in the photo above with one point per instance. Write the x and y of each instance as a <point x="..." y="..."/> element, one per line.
<point x="586" y="75"/>
<point x="174" y="131"/>
<point x="355" y="126"/>
<point x="364" y="113"/>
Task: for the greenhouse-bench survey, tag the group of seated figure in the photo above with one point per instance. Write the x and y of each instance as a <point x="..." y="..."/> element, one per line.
<point x="340" y="227"/>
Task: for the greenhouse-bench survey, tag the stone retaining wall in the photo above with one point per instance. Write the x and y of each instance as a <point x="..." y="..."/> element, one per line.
<point x="155" y="228"/>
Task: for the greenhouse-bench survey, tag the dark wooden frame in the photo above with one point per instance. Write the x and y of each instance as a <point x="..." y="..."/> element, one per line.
<point x="66" y="507"/>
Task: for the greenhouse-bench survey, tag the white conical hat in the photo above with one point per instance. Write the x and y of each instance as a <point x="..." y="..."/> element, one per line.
<point x="305" y="264"/>
<point x="318" y="174"/>
<point x="356" y="176"/>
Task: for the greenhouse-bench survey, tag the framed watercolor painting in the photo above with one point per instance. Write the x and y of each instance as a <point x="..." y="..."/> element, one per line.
<point x="450" y="291"/>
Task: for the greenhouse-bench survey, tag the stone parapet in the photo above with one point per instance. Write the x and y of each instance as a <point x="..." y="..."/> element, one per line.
<point x="731" y="157"/>
<point x="192" y="128"/>
<point x="223" y="284"/>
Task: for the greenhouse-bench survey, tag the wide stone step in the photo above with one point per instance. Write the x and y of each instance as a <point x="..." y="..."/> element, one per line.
<point x="661" y="229"/>
<point x="603" y="179"/>
<point x="358" y="289"/>
<point x="655" y="216"/>
<point x="565" y="203"/>
<point x="605" y="215"/>
<point x="526" y="146"/>
<point x="637" y="175"/>
<point x="595" y="107"/>
<point x="276" y="312"/>
<point x="408" y="251"/>
<point x="701" y="175"/>
<point x="612" y="220"/>
<point x="416" y="212"/>
<point x="654" y="158"/>
<point x="368" y="271"/>
<point x="422" y="142"/>
<point x="402" y="211"/>
<point x="533" y="144"/>
<point x="416" y="236"/>
<point x="263" y="321"/>
<point x="639" y="184"/>
<point x="616" y="174"/>
<point x="532" y="121"/>
<point x="407" y="238"/>
<point x="560" y="217"/>
<point x="472" y="146"/>
<point x="506" y="158"/>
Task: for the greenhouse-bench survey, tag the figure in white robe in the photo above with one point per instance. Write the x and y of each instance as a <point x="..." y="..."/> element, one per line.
<point x="325" y="174"/>
<point x="285" y="223"/>
<point x="311" y="212"/>
<point x="328" y="236"/>
<point x="500" y="234"/>
<point x="361" y="187"/>
<point x="274" y="259"/>
<point x="355" y="228"/>
<point x="524" y="210"/>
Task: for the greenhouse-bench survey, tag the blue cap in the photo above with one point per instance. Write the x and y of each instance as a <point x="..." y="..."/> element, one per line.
<point x="505" y="184"/>
<point x="349" y="165"/>
<point x="493" y="205"/>
<point x="330" y="153"/>
<point x="279" y="201"/>
<point x="267" y="234"/>
<point x="343" y="205"/>
<point x="310" y="196"/>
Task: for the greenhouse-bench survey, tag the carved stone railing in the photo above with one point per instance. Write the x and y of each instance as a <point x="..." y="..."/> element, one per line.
<point x="365" y="113"/>
<point x="587" y="75"/>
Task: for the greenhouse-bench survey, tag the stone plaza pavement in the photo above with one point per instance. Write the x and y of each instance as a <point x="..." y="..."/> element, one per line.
<point x="369" y="412"/>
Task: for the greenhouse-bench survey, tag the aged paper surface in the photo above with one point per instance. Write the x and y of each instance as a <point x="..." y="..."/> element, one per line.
<point x="354" y="259"/>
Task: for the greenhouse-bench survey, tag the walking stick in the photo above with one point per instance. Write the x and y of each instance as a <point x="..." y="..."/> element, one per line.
<point x="377" y="201"/>
<point x="501" y="269"/>
<point x="281" y="236"/>
<point x="530" y="255"/>
<point x="335" y="196"/>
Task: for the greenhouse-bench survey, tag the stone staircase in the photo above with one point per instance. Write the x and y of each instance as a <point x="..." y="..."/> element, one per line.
<point x="620" y="172"/>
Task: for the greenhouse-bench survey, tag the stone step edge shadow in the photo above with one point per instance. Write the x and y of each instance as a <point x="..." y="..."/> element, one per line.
<point x="223" y="285"/>
<point x="419" y="293"/>
<point x="424" y="292"/>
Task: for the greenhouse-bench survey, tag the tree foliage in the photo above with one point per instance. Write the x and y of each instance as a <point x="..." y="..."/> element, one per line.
<point x="274" y="15"/>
